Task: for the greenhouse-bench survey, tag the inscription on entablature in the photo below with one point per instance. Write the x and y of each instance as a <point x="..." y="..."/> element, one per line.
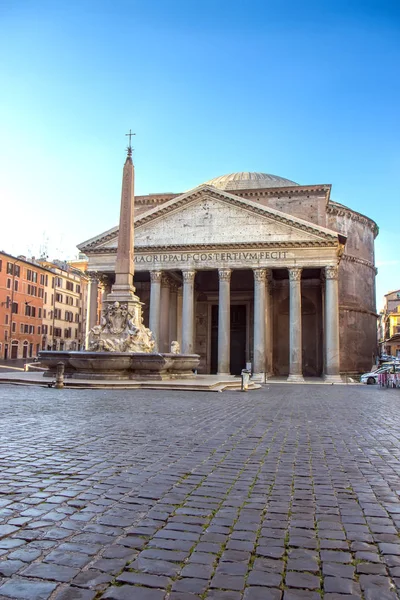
<point x="217" y="257"/>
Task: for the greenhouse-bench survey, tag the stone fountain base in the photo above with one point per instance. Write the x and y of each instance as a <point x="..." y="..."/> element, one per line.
<point x="121" y="365"/>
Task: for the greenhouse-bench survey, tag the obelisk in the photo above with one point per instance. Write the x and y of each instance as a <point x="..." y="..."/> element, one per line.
<point x="123" y="290"/>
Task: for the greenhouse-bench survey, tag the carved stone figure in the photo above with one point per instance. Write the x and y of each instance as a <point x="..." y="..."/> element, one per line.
<point x="175" y="347"/>
<point x="121" y="331"/>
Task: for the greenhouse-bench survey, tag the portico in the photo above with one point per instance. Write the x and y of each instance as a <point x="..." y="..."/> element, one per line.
<point x="272" y="302"/>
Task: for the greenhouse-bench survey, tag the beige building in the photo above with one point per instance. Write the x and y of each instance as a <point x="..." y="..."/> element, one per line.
<point x="251" y="267"/>
<point x="64" y="308"/>
<point x="389" y="325"/>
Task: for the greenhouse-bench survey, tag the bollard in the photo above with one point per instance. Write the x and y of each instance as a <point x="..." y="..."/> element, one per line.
<point x="245" y="374"/>
<point x="60" y="376"/>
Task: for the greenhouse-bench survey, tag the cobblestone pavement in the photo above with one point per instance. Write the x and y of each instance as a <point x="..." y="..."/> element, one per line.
<point x="289" y="492"/>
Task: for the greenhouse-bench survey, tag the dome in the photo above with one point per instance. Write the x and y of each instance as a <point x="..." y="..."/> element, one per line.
<point x="249" y="181"/>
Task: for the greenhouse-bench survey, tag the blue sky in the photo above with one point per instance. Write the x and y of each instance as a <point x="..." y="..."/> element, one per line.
<point x="308" y="90"/>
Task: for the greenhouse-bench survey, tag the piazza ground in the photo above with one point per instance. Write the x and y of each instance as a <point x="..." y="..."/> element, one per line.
<point x="289" y="492"/>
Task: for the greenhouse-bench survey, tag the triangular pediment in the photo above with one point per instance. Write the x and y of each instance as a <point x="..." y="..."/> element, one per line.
<point x="207" y="216"/>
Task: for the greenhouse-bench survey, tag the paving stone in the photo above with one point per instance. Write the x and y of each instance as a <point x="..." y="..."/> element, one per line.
<point x="154" y="581"/>
<point x="9" y="567"/>
<point x="340" y="585"/>
<point x="198" y="571"/>
<point x="301" y="595"/>
<point x="190" y="584"/>
<point x="260" y="578"/>
<point x="22" y="589"/>
<point x="337" y="570"/>
<point x="128" y="592"/>
<point x="259" y="593"/>
<point x="302" y="580"/>
<point x="50" y="571"/>
<point x="74" y="593"/>
<point x="92" y="578"/>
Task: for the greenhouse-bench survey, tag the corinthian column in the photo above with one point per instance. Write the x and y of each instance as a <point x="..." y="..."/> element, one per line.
<point x="155" y="304"/>
<point x="295" y="342"/>
<point x="164" y="314"/>
<point x="92" y="301"/>
<point x="188" y="312"/>
<point x="224" y="321"/>
<point x="269" y="331"/>
<point x="260" y="276"/>
<point x="332" y="348"/>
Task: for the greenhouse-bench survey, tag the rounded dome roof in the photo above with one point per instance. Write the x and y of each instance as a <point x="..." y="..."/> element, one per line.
<point x="246" y="180"/>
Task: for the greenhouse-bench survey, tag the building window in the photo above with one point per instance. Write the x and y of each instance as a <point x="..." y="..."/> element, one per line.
<point x="8" y="283"/>
<point x="9" y="268"/>
<point x="78" y="289"/>
<point x="26" y="328"/>
<point x="14" y="308"/>
<point x="70" y="286"/>
<point x="59" y="297"/>
<point x="6" y="320"/>
<point x="1" y="265"/>
<point x="16" y="285"/>
<point x="17" y="270"/>
<point x="21" y="329"/>
<point x="14" y="327"/>
<point x="38" y="329"/>
<point x="41" y="279"/>
<point x="44" y="313"/>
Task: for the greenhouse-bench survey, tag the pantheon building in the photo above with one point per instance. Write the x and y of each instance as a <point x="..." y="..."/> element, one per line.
<point x="252" y="268"/>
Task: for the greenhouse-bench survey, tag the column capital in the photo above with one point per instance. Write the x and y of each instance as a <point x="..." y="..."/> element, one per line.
<point x="331" y="272"/>
<point x="155" y="276"/>
<point x="93" y="276"/>
<point x="188" y="276"/>
<point x="173" y="286"/>
<point x="224" y="274"/>
<point x="260" y="274"/>
<point x="295" y="273"/>
<point x="165" y="280"/>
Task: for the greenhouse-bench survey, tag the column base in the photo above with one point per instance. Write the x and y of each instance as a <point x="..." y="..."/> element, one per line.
<point x="258" y="377"/>
<point x="332" y="379"/>
<point x="224" y="374"/>
<point x="295" y="378"/>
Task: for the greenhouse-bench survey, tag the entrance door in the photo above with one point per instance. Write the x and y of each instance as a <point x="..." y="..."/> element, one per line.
<point x="238" y="338"/>
<point x="25" y="350"/>
<point x="14" y="350"/>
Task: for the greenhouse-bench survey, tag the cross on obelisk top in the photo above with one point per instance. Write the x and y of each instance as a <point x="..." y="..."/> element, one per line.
<point x="130" y="134"/>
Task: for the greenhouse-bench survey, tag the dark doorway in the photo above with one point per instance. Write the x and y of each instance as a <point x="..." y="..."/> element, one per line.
<point x="238" y="338"/>
<point x="6" y="352"/>
<point x="25" y="350"/>
<point x="14" y="350"/>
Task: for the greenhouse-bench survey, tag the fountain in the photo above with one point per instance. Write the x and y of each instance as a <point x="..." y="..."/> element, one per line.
<point x="121" y="347"/>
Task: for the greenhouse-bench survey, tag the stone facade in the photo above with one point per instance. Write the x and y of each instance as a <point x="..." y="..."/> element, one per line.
<point x="280" y="276"/>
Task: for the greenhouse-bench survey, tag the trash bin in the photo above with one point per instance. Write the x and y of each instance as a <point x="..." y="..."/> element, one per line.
<point x="245" y="374"/>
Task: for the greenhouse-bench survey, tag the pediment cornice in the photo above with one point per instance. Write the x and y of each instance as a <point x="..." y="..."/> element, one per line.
<point x="219" y="247"/>
<point x="206" y="191"/>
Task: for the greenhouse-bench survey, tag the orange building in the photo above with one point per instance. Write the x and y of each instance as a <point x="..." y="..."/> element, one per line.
<point x="22" y="291"/>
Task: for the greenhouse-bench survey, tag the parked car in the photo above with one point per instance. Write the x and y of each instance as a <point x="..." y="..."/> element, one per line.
<point x="372" y="377"/>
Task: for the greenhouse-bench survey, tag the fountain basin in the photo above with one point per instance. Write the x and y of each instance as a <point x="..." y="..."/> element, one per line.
<point x="120" y="365"/>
